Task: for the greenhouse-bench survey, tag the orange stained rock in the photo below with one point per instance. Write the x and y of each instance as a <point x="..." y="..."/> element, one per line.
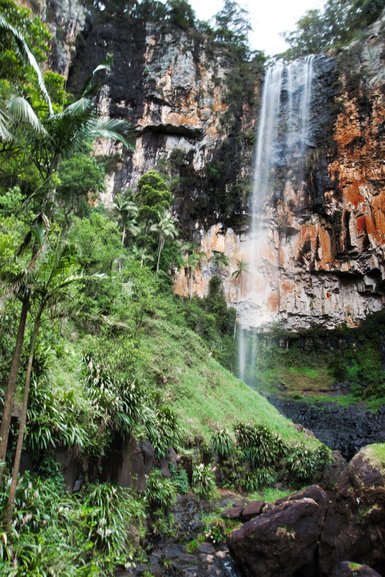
<point x="273" y="302"/>
<point x="348" y="124"/>
<point x="352" y="194"/>
<point x="325" y="244"/>
<point x="361" y="225"/>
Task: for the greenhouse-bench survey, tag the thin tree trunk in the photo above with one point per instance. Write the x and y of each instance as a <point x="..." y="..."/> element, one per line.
<point x="123" y="236"/>
<point x="160" y="248"/>
<point x="23" y="422"/>
<point x="11" y="386"/>
<point x="190" y="284"/>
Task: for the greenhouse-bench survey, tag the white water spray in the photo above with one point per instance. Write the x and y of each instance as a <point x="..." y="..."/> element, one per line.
<point x="282" y="140"/>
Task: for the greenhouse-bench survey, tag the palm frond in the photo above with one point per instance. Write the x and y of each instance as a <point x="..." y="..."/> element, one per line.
<point x="27" y="55"/>
<point x="91" y="85"/>
<point x="113" y="129"/>
<point x="69" y="129"/>
<point x="21" y="111"/>
<point x="5" y="135"/>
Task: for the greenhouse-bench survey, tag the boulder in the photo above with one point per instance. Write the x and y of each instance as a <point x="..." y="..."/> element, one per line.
<point x="252" y="509"/>
<point x="350" y="569"/>
<point x="281" y="540"/>
<point x="355" y="522"/>
<point x="232" y="513"/>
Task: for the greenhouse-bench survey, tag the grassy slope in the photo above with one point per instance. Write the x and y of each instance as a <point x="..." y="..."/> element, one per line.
<point x="201" y="391"/>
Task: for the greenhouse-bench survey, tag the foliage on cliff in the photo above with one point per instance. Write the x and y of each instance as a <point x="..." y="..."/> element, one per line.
<point x="333" y="26"/>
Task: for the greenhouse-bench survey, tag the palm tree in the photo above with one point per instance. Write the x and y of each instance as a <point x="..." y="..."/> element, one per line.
<point x="243" y="268"/>
<point x="127" y="212"/>
<point x="220" y="260"/>
<point x="51" y="284"/>
<point x="166" y="229"/>
<point x="142" y="255"/>
<point x="25" y="54"/>
<point x="192" y="260"/>
<point x="18" y="285"/>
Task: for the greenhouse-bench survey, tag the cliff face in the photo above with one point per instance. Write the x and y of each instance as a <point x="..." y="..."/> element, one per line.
<point x="323" y="253"/>
<point x="171" y="85"/>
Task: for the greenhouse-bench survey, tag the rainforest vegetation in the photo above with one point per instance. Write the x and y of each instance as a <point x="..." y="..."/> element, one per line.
<point x="96" y="351"/>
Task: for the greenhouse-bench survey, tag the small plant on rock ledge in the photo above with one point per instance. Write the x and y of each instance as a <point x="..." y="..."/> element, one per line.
<point x="216" y="532"/>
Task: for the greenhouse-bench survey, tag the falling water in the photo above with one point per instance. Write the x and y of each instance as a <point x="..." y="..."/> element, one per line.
<point x="282" y="140"/>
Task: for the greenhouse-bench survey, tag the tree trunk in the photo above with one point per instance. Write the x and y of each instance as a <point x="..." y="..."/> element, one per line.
<point x="160" y="248"/>
<point x="23" y="422"/>
<point x="11" y="386"/>
<point x="190" y="284"/>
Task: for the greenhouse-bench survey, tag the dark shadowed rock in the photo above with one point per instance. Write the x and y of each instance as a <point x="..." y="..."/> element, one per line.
<point x="314" y="492"/>
<point x="128" y="464"/>
<point x="232" y="513"/>
<point x="252" y="510"/>
<point x="280" y="541"/>
<point x="355" y="522"/>
<point x="350" y="569"/>
<point x="206" y="548"/>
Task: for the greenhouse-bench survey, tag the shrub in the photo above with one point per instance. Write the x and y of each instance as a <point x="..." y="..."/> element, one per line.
<point x="216" y="531"/>
<point x="222" y="443"/>
<point x="163" y="430"/>
<point x="259" y="478"/>
<point x="303" y="464"/>
<point x="203" y="481"/>
<point x="261" y="447"/>
<point x="160" y="492"/>
<point x="109" y="511"/>
<point x="180" y="479"/>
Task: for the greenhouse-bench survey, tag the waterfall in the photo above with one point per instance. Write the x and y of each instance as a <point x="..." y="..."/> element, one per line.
<point x="283" y="136"/>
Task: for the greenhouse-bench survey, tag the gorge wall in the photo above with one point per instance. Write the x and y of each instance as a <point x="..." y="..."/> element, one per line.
<point x="324" y="260"/>
<point x="323" y="253"/>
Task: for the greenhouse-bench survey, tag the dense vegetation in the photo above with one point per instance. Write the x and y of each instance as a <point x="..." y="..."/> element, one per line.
<point x="346" y="366"/>
<point x="333" y="26"/>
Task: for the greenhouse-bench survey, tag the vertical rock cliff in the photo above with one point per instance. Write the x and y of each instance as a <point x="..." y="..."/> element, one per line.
<point x="323" y="252"/>
<point x="324" y="261"/>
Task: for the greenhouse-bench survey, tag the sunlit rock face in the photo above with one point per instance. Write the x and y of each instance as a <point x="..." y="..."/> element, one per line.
<point x="322" y="254"/>
<point x="66" y="20"/>
<point x="323" y="244"/>
<point x="171" y="86"/>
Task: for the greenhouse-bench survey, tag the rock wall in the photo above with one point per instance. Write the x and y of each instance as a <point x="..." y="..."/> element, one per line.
<point x="323" y="254"/>
<point x="171" y="85"/>
<point x="324" y="249"/>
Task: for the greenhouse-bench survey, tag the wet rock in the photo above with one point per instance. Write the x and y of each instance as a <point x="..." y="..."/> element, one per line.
<point x="355" y="522"/>
<point x="252" y="510"/>
<point x="232" y="513"/>
<point x="206" y="548"/>
<point x="280" y="541"/>
<point x="346" y="429"/>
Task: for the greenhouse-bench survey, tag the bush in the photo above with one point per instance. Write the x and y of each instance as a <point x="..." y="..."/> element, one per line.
<point x="303" y="464"/>
<point x="261" y="447"/>
<point x="82" y="535"/>
<point x="259" y="478"/>
<point x="203" y="481"/>
<point x="160" y="492"/>
<point x="180" y="479"/>
<point x="216" y="531"/>
<point x="222" y="443"/>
